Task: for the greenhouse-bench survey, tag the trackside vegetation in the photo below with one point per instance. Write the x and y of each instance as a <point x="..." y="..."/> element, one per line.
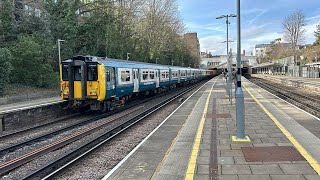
<point x="145" y="30"/>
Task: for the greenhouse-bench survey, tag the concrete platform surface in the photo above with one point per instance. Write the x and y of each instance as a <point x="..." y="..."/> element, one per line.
<point x="195" y="140"/>
<point x="27" y="104"/>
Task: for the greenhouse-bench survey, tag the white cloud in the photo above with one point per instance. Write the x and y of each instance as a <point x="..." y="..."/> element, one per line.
<point x="313" y="18"/>
<point x="213" y="44"/>
<point x="251" y="11"/>
<point x="266" y="37"/>
<point x="200" y="27"/>
<point x="252" y="33"/>
<point x="309" y="32"/>
<point x="250" y="37"/>
<point x="256" y="12"/>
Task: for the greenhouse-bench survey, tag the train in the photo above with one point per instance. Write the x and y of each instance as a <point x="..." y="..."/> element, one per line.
<point x="101" y="83"/>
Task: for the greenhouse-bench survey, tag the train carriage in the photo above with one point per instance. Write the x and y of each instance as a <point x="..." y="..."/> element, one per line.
<point x="103" y="83"/>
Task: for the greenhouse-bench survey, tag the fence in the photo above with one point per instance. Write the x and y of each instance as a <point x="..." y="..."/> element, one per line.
<point x="304" y="71"/>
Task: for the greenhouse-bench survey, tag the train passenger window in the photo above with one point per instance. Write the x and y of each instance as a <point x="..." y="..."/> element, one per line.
<point x="163" y="75"/>
<point x="151" y="74"/>
<point x="92" y="73"/>
<point x="108" y="76"/>
<point x="174" y="74"/>
<point x="128" y="76"/>
<point x="77" y="73"/>
<point x="125" y="76"/>
<point x="65" y="73"/>
<point x="167" y="75"/>
<point x="145" y="75"/>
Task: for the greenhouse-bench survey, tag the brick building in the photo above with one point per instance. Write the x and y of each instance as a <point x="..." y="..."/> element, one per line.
<point x="193" y="42"/>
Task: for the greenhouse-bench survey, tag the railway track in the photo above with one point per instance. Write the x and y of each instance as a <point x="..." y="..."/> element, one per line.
<point x="303" y="101"/>
<point x="42" y="137"/>
<point x="81" y="151"/>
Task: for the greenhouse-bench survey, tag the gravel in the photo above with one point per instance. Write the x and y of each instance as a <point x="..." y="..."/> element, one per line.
<point x="101" y="161"/>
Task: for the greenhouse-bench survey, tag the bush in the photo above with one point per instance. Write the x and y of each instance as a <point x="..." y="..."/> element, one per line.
<point x="5" y="68"/>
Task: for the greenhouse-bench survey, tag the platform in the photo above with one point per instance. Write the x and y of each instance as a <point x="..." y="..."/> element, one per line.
<point x="194" y="142"/>
<point x="5" y="108"/>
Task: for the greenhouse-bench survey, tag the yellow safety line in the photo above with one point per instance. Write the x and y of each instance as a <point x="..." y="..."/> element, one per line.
<point x="166" y="155"/>
<point x="315" y="165"/>
<point x="169" y="149"/>
<point x="196" y="145"/>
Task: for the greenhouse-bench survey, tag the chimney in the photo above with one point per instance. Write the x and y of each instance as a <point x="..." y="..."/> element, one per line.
<point x="244" y="52"/>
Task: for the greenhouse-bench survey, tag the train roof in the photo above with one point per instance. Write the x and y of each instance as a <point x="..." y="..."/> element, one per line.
<point x="126" y="64"/>
<point x="131" y="64"/>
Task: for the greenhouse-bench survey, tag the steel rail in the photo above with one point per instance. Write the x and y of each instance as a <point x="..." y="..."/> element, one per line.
<point x="14" y="163"/>
<point x="10" y="165"/>
<point x="67" y="160"/>
<point x="69" y="127"/>
<point x="299" y="100"/>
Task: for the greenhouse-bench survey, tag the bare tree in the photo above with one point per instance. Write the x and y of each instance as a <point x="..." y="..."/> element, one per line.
<point x="293" y="29"/>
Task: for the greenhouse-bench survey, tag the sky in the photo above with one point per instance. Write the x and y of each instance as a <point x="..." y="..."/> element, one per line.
<point x="261" y="21"/>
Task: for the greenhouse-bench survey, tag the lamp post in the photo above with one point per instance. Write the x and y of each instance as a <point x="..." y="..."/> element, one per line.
<point x="228" y="88"/>
<point x="59" y="51"/>
<point x="240" y="137"/>
<point x="156" y="60"/>
<point x="128" y="56"/>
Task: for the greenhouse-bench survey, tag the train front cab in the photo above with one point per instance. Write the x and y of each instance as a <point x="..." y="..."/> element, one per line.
<point x="82" y="81"/>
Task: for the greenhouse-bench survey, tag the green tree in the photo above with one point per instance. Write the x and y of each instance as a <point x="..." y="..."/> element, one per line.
<point x="29" y="66"/>
<point x="63" y="23"/>
<point x="7" y="26"/>
<point x="5" y="68"/>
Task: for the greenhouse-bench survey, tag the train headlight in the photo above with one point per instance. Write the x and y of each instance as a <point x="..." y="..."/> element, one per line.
<point x="93" y="93"/>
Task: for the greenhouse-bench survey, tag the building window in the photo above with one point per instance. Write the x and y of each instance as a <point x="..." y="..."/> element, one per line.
<point x="37" y="12"/>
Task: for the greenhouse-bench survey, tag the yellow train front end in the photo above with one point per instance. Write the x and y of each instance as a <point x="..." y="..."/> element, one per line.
<point x="82" y="83"/>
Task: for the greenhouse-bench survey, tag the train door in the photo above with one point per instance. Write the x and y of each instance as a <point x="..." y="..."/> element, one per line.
<point x="111" y="83"/>
<point x="135" y="80"/>
<point x="157" y="78"/>
<point x="77" y="76"/>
